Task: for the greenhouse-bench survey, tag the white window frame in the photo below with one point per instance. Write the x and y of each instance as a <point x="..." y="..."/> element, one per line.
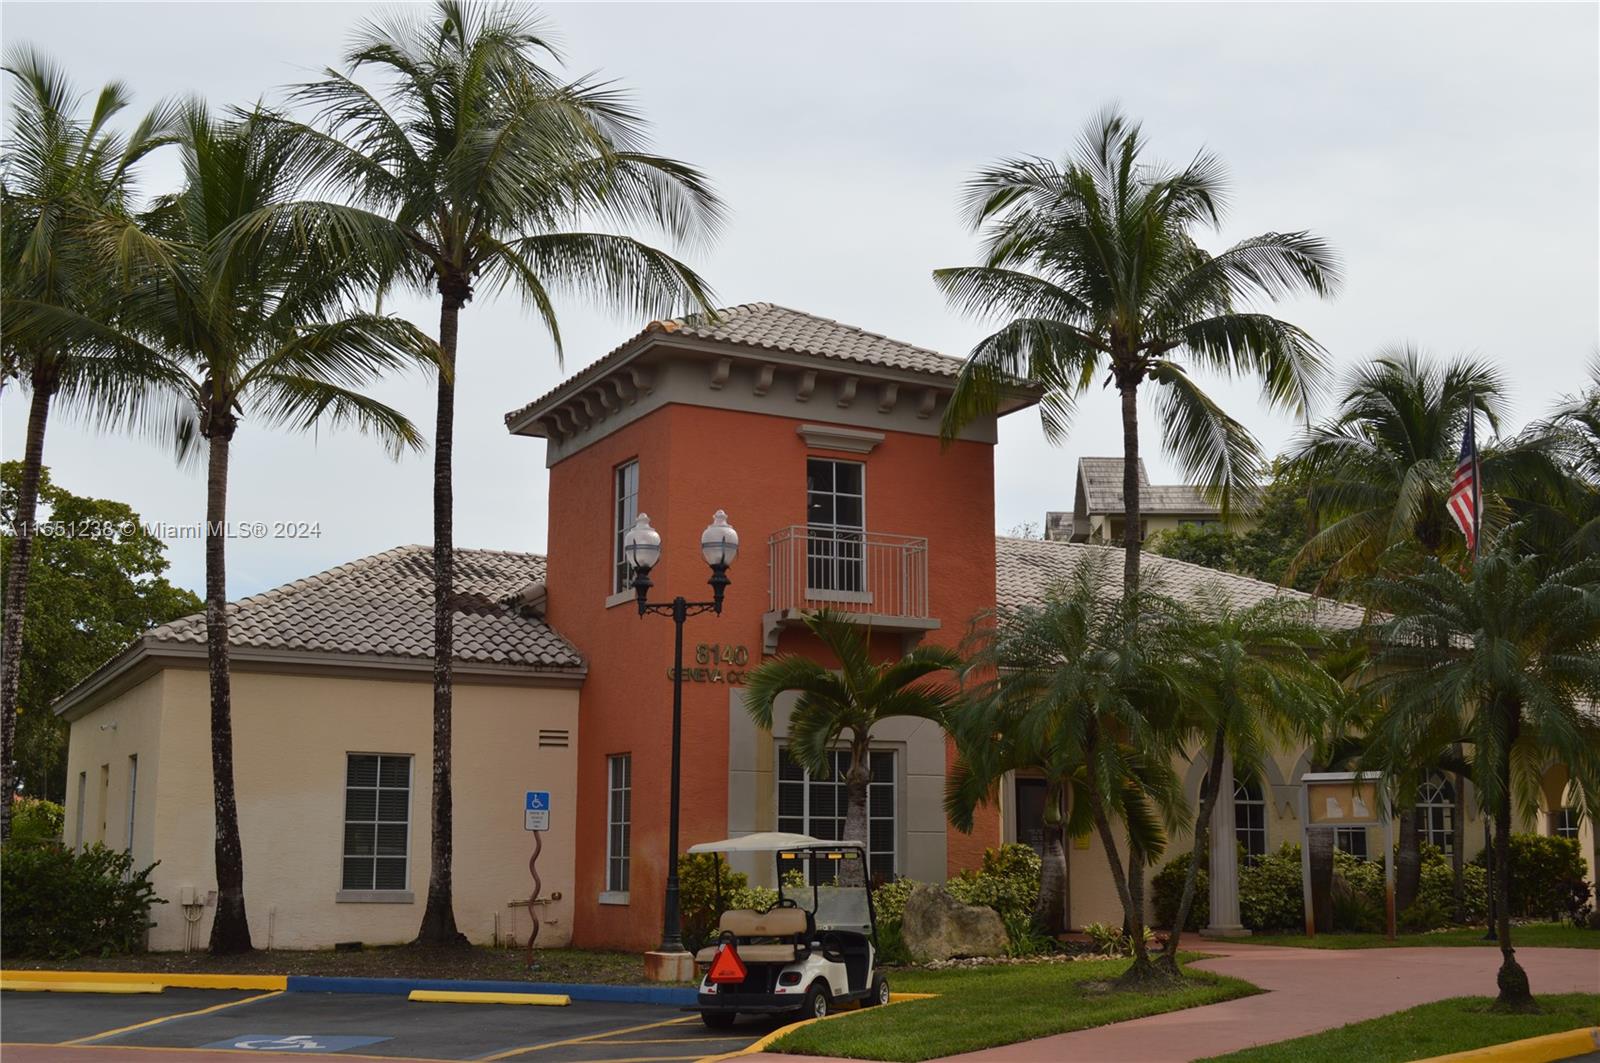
<point x="376" y="893"/>
<point x="1564" y="823"/>
<point x="1345" y="840"/>
<point x="808" y="783"/>
<point x="617" y="885"/>
<point x="840" y="535"/>
<point x="1437" y="795"/>
<point x="624" y="511"/>
<point x="1243" y="798"/>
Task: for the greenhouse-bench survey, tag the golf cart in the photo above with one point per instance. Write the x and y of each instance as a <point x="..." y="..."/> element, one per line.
<point x="813" y="950"/>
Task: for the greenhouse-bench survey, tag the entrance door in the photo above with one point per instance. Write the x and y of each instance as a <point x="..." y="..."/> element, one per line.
<point x="1030" y="813"/>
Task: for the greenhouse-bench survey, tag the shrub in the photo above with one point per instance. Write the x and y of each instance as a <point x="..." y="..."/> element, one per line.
<point x="1543" y="870"/>
<point x="698" y="910"/>
<point x="56" y="904"/>
<point x="35" y="821"/>
<point x="1436" y="893"/>
<point x="891" y="945"/>
<point x="1168" y="890"/>
<point x="1112" y="941"/>
<point x="1270" y="892"/>
<point x="1008" y="881"/>
<point x="889" y="899"/>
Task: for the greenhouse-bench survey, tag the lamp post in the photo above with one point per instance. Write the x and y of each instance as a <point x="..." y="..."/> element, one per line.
<point x="719" y="544"/>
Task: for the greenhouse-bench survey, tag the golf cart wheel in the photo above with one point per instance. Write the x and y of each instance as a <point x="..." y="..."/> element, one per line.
<point x="880" y="992"/>
<point x="718" y="1020"/>
<point x="817" y="1004"/>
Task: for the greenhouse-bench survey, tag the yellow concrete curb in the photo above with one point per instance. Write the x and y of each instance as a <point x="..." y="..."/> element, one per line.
<point x="1546" y="1049"/>
<point x="56" y="985"/>
<point x="442" y="996"/>
<point x="762" y="1045"/>
<point x="169" y="981"/>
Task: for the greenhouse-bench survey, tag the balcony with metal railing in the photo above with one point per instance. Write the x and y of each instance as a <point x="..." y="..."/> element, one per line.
<point x="876" y="579"/>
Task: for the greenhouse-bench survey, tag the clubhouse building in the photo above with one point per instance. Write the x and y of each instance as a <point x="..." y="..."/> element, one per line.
<point x="821" y="443"/>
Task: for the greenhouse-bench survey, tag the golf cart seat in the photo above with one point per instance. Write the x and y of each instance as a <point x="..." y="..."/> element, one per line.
<point x="748" y="925"/>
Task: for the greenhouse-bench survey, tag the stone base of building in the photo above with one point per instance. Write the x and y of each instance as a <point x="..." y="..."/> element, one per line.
<point x="668" y="966"/>
<point x="1224" y="932"/>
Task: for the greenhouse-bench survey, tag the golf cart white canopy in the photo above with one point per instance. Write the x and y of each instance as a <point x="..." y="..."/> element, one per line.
<point x="770" y="842"/>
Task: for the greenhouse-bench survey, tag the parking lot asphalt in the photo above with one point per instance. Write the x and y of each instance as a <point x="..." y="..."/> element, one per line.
<point x="195" y="1025"/>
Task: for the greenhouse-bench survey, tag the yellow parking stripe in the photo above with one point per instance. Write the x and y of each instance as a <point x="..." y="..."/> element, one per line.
<point x="441" y="996"/>
<point x="79" y="987"/>
<point x="171" y="981"/>
<point x="671" y="1040"/>
<point x="168" y="1018"/>
<point x="508" y="1053"/>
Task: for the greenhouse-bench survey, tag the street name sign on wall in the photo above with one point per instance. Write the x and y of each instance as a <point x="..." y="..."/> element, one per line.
<point x="536" y="810"/>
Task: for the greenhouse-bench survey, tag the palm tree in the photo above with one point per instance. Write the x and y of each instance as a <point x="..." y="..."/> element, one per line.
<point x="1562" y="513"/>
<point x="258" y="314"/>
<point x="1082" y="687"/>
<point x="468" y="166"/>
<point x="1508" y="653"/>
<point x="855" y="698"/>
<point x="62" y="168"/>
<point x="1095" y="265"/>
<point x="1250" y="680"/>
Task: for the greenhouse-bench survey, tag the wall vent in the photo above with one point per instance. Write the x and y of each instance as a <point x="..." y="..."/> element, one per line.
<point x="552" y="739"/>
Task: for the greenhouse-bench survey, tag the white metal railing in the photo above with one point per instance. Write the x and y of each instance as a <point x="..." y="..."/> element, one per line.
<point x="848" y="569"/>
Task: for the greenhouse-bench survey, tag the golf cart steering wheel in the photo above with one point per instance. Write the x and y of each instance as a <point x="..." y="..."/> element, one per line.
<point x="785" y="902"/>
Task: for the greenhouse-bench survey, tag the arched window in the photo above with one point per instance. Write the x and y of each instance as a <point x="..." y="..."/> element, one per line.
<point x="1249" y="815"/>
<point x="1436" y="813"/>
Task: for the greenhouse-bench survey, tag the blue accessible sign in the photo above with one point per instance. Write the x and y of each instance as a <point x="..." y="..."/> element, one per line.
<point x="297" y="1042"/>
<point x="536" y="810"/>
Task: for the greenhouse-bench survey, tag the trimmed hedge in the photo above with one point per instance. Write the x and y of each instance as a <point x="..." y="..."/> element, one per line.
<point x="56" y="904"/>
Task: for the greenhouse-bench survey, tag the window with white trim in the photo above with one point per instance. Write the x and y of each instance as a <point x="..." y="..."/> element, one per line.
<point x="133" y="795"/>
<point x="1436" y="813"/>
<point x="626" y="509"/>
<point x="809" y="805"/>
<point x="619" y="821"/>
<point x="836" y="521"/>
<point x="1352" y="840"/>
<point x="377" y="821"/>
<point x="1249" y="815"/>
<point x="77" y="819"/>
<point x="1564" y="823"/>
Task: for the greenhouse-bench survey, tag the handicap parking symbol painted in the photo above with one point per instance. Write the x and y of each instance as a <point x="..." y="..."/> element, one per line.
<point x="298" y="1042"/>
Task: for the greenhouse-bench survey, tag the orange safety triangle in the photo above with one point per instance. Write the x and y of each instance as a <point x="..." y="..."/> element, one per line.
<point x="727" y="967"/>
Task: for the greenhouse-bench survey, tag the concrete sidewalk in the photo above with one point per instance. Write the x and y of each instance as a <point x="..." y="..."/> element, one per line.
<point x="1307" y="990"/>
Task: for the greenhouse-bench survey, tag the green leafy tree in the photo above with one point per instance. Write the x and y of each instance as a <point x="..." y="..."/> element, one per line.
<point x="63" y="168"/>
<point x="1095" y="266"/>
<point x="852" y="699"/>
<point x="1561" y="512"/>
<point x="468" y="166"/>
<point x="97" y="584"/>
<point x="1506" y="653"/>
<point x="1251" y="679"/>
<point x="258" y="313"/>
<point x="1081" y="688"/>
<point x="1279" y="525"/>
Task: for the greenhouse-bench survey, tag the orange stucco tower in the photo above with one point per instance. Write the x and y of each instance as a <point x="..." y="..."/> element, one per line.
<point x="820" y="441"/>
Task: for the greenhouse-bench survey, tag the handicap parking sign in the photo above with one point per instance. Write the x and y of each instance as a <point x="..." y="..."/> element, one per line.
<point x="295" y="1042"/>
<point x="536" y="810"/>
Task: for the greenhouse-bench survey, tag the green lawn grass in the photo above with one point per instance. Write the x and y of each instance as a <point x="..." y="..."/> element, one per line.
<point x="1454" y="1025"/>
<point x="986" y="1006"/>
<point x="1534" y="935"/>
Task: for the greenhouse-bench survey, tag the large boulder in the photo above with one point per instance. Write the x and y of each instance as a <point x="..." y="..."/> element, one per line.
<point x="936" y="926"/>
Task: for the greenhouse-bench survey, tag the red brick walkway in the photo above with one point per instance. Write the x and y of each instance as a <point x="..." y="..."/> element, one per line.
<point x="1307" y="990"/>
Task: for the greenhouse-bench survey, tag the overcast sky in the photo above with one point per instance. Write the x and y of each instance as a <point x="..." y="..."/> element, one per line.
<point x="1449" y="151"/>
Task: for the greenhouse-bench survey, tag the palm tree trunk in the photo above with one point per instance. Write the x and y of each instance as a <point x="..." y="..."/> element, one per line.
<point x="16" y="596"/>
<point x="1515" y="994"/>
<point x="1408" y="864"/>
<point x="1458" y="848"/>
<point x="1131" y="511"/>
<point x="439" y="917"/>
<point x="1131" y="895"/>
<point x="1321" y="843"/>
<point x="854" y="873"/>
<point x="1202" y="837"/>
<point x="1050" y="909"/>
<point x="230" y="929"/>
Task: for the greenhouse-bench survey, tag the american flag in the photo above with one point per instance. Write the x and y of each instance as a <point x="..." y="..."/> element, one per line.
<point x="1463" y="503"/>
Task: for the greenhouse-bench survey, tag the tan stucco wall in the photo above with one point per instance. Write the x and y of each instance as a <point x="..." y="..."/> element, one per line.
<point x="105" y="741"/>
<point x="291" y="737"/>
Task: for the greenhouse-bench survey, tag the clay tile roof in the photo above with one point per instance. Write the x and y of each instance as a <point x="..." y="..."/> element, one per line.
<point x="1102" y="490"/>
<point x="382" y="606"/>
<point x="767" y="326"/>
<point x="1027" y="569"/>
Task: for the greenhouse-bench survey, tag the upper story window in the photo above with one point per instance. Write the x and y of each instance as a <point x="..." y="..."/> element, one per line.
<point x="1564" y="823"/>
<point x="619" y="821"/>
<point x="836" y="519"/>
<point x="626" y="496"/>
<point x="377" y="821"/>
